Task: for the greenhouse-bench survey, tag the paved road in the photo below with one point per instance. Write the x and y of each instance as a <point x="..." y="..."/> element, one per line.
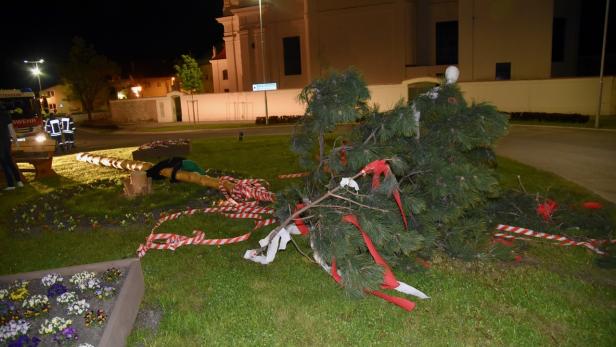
<point x="88" y="140"/>
<point x="586" y="157"/>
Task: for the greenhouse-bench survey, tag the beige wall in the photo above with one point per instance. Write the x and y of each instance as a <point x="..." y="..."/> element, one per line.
<point x="567" y="95"/>
<point x="563" y="95"/>
<point x="249" y="105"/>
<point x="368" y="35"/>
<point x="142" y="110"/>
<point x="516" y="31"/>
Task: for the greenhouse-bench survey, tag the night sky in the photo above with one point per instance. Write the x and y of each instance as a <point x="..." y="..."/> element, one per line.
<point x="143" y="37"/>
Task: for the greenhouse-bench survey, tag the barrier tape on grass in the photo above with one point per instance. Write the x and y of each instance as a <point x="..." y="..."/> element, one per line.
<point x="294" y="175"/>
<point x="172" y="241"/>
<point x="242" y="203"/>
<point x="245" y="189"/>
<point x="560" y="240"/>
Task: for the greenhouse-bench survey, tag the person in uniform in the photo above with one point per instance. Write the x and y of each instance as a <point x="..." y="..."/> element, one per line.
<point x="68" y="132"/>
<point x="54" y="129"/>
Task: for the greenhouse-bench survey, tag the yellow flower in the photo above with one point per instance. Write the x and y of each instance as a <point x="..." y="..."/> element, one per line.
<point x="19" y="294"/>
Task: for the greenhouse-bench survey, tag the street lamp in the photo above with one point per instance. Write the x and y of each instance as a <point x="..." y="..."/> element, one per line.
<point x="36" y="71"/>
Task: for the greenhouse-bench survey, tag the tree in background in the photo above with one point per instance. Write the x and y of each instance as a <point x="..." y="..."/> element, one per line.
<point x="191" y="78"/>
<point x="87" y="74"/>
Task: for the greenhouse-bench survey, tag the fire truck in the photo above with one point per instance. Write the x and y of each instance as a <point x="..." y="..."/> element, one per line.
<point x="33" y="145"/>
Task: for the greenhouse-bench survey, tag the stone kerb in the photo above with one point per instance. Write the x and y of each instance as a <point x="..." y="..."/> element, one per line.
<point x="126" y="305"/>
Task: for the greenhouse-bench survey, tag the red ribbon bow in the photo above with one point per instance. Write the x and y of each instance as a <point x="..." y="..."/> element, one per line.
<point x="378" y="168"/>
<point x="546" y="210"/>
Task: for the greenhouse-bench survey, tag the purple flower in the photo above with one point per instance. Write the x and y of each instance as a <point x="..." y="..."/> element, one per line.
<point x="25" y="341"/>
<point x="70" y="333"/>
<point x="55" y="290"/>
<point x="6" y="307"/>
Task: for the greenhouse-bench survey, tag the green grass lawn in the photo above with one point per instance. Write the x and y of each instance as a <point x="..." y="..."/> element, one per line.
<point x="212" y="296"/>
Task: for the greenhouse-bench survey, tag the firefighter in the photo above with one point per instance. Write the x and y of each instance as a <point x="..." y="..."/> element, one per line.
<point x="68" y="132"/>
<point x="54" y="129"/>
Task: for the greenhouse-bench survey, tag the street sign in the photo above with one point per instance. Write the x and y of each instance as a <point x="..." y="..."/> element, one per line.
<point x="260" y="87"/>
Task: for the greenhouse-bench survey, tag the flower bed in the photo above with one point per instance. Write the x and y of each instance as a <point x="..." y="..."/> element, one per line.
<point x="162" y="149"/>
<point x="92" y="304"/>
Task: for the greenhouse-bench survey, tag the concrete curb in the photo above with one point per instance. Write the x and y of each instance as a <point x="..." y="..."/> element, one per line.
<point x="124" y="312"/>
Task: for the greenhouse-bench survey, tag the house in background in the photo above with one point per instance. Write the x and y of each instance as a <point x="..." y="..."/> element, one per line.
<point x="58" y="99"/>
<point x="394" y="40"/>
<point x="143" y="87"/>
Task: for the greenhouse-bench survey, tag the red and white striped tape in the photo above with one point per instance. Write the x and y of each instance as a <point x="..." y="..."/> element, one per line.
<point x="237" y="206"/>
<point x="245" y="189"/>
<point x="173" y="241"/>
<point x="560" y="240"/>
<point x="294" y="175"/>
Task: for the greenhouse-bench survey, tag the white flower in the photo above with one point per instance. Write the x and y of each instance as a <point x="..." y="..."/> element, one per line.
<point x="19" y="284"/>
<point x="56" y="324"/>
<point x="78" y="307"/>
<point x="36" y="301"/>
<point x="4" y="293"/>
<point x="85" y="280"/>
<point x="67" y="298"/>
<point x="50" y="279"/>
<point x="13" y="329"/>
<point x="85" y="345"/>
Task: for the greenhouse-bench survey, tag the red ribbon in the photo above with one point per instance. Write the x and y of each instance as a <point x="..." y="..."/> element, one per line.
<point x="389" y="280"/>
<point x="546" y="210"/>
<point x="404" y="303"/>
<point x="378" y="168"/>
<point x="592" y="205"/>
<point x="299" y="223"/>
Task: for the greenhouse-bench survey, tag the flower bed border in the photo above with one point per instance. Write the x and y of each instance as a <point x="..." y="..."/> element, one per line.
<point x="120" y="322"/>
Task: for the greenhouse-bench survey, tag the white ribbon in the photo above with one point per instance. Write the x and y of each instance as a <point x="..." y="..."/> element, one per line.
<point x="402" y="287"/>
<point x="349" y="182"/>
<point x="273" y="245"/>
<point x="406" y="289"/>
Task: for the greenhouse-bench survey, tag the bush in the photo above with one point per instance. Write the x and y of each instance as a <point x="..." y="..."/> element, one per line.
<point x="548" y="117"/>
<point x="287" y="119"/>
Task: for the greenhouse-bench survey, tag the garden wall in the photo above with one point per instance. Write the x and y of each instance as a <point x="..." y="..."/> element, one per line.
<point x="159" y="109"/>
<point x="561" y="95"/>
<point x="247" y="106"/>
<point x="565" y="95"/>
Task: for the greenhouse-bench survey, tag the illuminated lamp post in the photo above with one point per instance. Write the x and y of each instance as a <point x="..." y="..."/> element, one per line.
<point x="36" y="71"/>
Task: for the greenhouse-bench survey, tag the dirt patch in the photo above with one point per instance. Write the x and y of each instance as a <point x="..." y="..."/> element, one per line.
<point x="149" y="319"/>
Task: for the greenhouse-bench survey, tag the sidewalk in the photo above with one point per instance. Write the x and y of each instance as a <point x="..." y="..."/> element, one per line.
<point x="584" y="156"/>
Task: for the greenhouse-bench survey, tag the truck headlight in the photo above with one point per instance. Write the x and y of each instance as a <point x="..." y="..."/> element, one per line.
<point x="40" y="138"/>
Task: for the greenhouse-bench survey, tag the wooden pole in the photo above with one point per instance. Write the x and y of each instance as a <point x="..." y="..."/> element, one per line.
<point x="135" y="165"/>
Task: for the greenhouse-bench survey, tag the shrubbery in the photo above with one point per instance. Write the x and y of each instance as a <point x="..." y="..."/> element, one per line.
<point x="548" y="117"/>
<point x="279" y="119"/>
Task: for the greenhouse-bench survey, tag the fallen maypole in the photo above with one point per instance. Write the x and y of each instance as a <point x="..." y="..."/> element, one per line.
<point x="136" y="165"/>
